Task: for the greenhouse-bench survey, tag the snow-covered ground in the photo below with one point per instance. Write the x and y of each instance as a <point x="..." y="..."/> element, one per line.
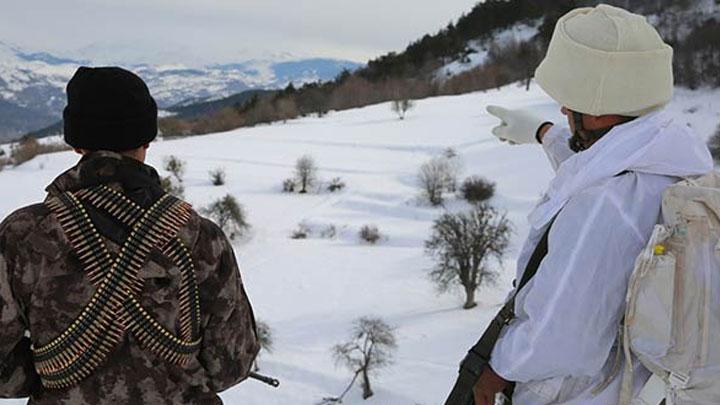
<point x="310" y="291"/>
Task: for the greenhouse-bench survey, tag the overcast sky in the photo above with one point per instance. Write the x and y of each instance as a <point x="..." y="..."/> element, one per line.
<point x="205" y="31"/>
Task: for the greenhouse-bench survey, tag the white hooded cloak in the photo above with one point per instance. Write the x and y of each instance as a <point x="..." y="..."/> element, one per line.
<point x="606" y="200"/>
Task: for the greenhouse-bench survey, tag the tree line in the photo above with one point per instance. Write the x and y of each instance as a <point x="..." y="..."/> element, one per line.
<point x="411" y="74"/>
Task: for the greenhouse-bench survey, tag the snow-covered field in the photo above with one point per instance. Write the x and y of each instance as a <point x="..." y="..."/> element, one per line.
<point x="310" y="291"/>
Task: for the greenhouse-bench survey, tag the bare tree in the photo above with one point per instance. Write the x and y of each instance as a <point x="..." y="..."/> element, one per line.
<point x="305" y="173"/>
<point x="229" y="215"/>
<point x="402" y="106"/>
<point x="369" y="349"/>
<point x="217" y="176"/>
<point x="168" y="185"/>
<point x="435" y="177"/>
<point x="176" y="167"/>
<point x="463" y="243"/>
<point x="265" y="339"/>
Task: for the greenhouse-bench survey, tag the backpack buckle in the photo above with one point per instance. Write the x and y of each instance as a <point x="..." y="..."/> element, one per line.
<point x="678" y="381"/>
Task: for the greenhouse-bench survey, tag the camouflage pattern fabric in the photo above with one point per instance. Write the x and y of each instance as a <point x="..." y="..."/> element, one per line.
<point x="43" y="287"/>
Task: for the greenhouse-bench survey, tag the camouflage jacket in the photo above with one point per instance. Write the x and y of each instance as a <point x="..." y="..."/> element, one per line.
<point x="43" y="288"/>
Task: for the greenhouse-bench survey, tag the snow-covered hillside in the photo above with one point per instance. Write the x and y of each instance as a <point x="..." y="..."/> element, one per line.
<point x="310" y="291"/>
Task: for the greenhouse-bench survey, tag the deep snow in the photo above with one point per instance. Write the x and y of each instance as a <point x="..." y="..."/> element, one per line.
<point x="310" y="291"/>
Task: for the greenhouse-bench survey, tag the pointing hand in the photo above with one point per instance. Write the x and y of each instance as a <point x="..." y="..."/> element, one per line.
<point x="517" y="126"/>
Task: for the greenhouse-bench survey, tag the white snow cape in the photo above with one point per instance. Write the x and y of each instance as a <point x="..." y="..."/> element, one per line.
<point x="562" y="345"/>
<point x="651" y="144"/>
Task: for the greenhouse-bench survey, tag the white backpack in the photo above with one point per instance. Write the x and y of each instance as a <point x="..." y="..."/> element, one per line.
<point x="672" y="320"/>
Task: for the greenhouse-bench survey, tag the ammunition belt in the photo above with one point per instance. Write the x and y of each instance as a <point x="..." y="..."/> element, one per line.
<point x="114" y="308"/>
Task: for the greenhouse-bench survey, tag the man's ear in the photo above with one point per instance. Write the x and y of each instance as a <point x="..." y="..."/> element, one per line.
<point x="146" y="146"/>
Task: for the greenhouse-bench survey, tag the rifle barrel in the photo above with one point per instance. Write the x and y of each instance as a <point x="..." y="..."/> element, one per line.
<point x="265" y="379"/>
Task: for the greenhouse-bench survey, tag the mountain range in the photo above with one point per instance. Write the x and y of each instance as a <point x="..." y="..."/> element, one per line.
<point x="32" y="84"/>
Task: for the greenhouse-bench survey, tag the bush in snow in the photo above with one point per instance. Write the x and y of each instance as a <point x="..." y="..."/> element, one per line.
<point x="304" y="231"/>
<point x="369" y="349"/>
<point x="462" y="244"/>
<point x="265" y="339"/>
<point x="176" y="167"/>
<point x="476" y="189"/>
<point x="217" y="177"/>
<point x="301" y="232"/>
<point x="170" y="187"/>
<point x="450" y="153"/>
<point x="305" y="173"/>
<point x="288" y="186"/>
<point x="229" y="215"/>
<point x="336" y="185"/>
<point x="370" y="234"/>
<point x="401" y="107"/>
<point x="714" y="145"/>
<point x="435" y="177"/>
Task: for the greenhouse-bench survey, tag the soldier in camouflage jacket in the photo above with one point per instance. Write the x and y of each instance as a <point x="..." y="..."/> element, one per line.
<point x="44" y="287"/>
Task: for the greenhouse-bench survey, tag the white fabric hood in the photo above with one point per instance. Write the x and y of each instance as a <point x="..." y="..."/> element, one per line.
<point x="654" y="144"/>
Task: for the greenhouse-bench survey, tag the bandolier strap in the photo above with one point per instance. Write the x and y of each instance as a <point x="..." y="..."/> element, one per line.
<point x="114" y="308"/>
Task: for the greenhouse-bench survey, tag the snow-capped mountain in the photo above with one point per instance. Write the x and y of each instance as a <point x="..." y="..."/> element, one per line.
<point x="32" y="84"/>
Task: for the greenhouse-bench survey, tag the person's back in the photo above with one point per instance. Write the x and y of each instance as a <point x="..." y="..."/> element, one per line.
<point x="127" y="295"/>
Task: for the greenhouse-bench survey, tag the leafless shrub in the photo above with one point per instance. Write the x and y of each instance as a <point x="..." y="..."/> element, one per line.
<point x="229" y="215"/>
<point x="304" y="231"/>
<point x="288" y="186"/>
<point x="217" y="177"/>
<point x="265" y="339"/>
<point x="176" y="167"/>
<point x="336" y="185"/>
<point x="370" y="348"/>
<point x="301" y="232"/>
<point x="370" y="234"/>
<point x="462" y="244"/>
<point x="450" y="153"/>
<point x="476" y="189"/>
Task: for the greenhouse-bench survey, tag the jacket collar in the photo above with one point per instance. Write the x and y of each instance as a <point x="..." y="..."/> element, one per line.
<point x="137" y="180"/>
<point x="653" y="144"/>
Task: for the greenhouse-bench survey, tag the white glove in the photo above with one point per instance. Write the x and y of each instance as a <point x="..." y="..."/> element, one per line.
<point x="517" y="127"/>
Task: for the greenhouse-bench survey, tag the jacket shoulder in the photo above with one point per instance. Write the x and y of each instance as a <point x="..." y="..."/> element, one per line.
<point x="24" y="220"/>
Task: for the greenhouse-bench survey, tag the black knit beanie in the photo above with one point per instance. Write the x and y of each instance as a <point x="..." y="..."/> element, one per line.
<point x="109" y="108"/>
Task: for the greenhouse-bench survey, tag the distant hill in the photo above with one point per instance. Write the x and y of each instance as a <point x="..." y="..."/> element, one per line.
<point x="32" y="84"/>
<point x="194" y="110"/>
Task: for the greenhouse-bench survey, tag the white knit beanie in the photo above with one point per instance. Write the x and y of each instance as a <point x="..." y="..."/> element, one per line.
<point x="606" y="61"/>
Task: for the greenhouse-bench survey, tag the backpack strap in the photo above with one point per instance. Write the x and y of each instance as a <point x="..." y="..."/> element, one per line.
<point x="654" y="392"/>
<point x="478" y="357"/>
